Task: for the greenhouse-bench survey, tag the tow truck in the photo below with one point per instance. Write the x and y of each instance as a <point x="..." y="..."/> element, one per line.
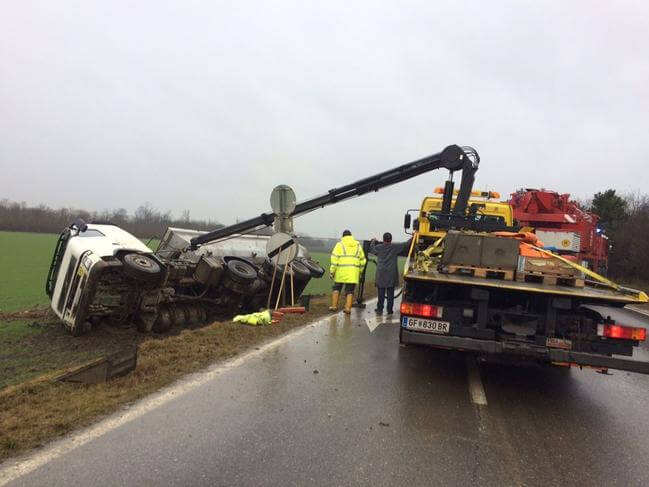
<point x="458" y="293"/>
<point x="468" y="287"/>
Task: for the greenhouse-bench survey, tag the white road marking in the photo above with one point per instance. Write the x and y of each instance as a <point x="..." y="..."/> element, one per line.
<point x="374" y="322"/>
<point x="13" y="469"/>
<point x="478" y="395"/>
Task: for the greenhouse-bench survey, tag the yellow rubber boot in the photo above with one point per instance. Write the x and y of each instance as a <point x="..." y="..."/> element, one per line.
<point x="334" y="301"/>
<point x="349" y="300"/>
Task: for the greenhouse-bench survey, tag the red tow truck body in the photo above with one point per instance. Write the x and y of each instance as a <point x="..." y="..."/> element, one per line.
<point x="550" y="212"/>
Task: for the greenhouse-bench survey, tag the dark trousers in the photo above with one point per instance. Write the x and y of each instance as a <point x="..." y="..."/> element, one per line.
<point x="385" y="292"/>
<point x="349" y="287"/>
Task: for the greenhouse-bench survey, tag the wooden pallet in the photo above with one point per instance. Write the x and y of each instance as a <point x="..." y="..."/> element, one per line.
<point x="482" y="272"/>
<point x="550" y="279"/>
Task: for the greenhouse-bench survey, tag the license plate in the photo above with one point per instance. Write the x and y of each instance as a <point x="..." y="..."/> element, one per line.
<point x="558" y="343"/>
<point x="429" y="326"/>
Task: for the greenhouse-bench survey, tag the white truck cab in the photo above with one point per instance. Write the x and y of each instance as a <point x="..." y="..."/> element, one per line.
<point x="80" y="256"/>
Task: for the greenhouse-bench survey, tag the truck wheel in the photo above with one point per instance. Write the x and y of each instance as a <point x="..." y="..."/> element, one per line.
<point x="141" y="267"/>
<point x="241" y="271"/>
<point x="315" y="269"/>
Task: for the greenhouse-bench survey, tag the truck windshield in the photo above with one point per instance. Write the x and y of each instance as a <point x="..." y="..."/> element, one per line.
<point x="91" y="232"/>
<point x="66" y="282"/>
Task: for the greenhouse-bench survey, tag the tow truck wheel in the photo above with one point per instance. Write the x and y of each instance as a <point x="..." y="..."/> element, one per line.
<point x="141" y="267"/>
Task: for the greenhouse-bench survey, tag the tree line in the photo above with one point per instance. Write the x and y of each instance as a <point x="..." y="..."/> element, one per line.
<point x="625" y="220"/>
<point x="145" y="222"/>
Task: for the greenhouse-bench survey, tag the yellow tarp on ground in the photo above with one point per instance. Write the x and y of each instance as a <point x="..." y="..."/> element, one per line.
<point x="256" y="319"/>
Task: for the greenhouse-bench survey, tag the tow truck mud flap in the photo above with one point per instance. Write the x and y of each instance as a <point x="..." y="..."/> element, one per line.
<point x="525" y="352"/>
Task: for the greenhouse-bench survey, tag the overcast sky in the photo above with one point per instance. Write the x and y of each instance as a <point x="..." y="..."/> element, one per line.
<point x="208" y="105"/>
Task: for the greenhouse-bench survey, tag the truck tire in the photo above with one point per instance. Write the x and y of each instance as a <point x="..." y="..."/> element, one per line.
<point x="241" y="271"/>
<point x="316" y="269"/>
<point x="141" y="267"/>
<point x="300" y="271"/>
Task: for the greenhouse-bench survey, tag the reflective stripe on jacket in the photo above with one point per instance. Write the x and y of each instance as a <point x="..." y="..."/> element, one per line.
<point x="347" y="260"/>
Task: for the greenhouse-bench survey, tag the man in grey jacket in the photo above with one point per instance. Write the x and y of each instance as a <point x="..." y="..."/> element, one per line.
<point x="387" y="269"/>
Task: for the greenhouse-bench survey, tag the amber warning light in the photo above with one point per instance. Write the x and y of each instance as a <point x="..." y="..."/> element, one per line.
<point x="480" y="194"/>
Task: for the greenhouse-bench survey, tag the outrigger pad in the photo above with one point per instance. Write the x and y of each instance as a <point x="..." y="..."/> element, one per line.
<point x="103" y="369"/>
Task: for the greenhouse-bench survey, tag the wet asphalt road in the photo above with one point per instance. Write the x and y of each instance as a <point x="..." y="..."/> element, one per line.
<point x="373" y="414"/>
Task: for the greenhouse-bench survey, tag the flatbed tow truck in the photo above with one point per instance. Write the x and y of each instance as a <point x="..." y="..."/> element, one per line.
<point x="459" y="289"/>
<point x="473" y="283"/>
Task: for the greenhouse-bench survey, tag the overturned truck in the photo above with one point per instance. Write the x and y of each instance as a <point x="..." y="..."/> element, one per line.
<point x="101" y="272"/>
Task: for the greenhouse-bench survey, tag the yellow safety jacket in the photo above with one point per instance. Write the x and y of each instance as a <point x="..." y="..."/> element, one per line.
<point x="347" y="260"/>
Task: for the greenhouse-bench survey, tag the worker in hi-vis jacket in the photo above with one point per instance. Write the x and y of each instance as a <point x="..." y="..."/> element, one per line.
<point x="347" y="261"/>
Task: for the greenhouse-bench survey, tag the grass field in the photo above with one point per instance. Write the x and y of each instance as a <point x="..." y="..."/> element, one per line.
<point x="24" y="261"/>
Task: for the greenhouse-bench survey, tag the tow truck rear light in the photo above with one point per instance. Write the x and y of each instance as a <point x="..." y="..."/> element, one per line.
<point x="623" y="332"/>
<point x="418" y="309"/>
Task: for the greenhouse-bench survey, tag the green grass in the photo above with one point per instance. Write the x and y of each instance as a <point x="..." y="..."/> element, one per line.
<point x="24" y="261"/>
<point x="323" y="285"/>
